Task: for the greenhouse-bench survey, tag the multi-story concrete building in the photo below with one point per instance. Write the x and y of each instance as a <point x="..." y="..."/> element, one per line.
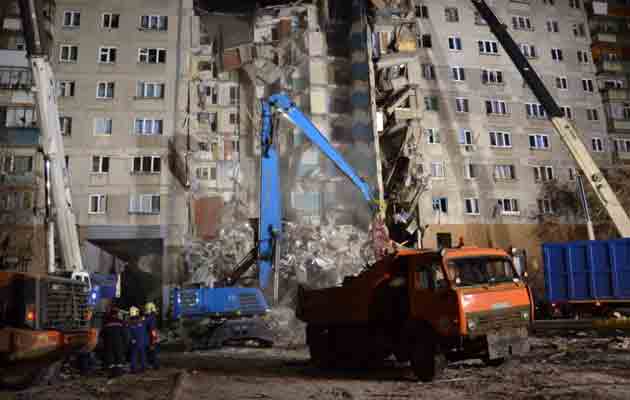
<point x="23" y="243"/>
<point x="609" y="25"/>
<point x="121" y="68"/>
<point x="481" y="135"/>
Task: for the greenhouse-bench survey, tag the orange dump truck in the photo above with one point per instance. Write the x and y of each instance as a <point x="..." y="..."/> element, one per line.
<point x="423" y="306"/>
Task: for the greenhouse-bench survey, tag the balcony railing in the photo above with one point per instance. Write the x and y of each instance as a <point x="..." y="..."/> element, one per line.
<point x="613" y="66"/>
<point x="19" y="137"/>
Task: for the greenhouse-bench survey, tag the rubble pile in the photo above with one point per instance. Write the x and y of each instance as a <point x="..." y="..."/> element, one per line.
<point x="315" y="256"/>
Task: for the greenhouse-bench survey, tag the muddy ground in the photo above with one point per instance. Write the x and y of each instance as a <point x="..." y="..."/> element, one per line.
<point x="578" y="367"/>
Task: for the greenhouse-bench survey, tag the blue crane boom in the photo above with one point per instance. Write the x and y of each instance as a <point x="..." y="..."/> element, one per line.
<point x="270" y="222"/>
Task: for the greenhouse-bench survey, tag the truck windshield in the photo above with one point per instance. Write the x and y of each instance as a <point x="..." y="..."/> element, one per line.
<point x="481" y="271"/>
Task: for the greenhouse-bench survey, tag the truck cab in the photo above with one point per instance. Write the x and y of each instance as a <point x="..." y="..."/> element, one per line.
<point x="423" y="306"/>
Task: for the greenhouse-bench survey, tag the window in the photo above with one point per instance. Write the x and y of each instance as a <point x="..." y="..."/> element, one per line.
<point x="552" y="26"/>
<point x="567" y="112"/>
<point x="461" y="105"/>
<point x="535" y="110"/>
<point x="582" y="56"/>
<point x="433" y="135"/>
<point x="14" y="78"/>
<point x="587" y="85"/>
<point x="508" y="206"/>
<point x="561" y="82"/>
<point x="544" y="206"/>
<point x="20" y="117"/>
<point x="489" y="76"/>
<point x="234" y="118"/>
<point x="110" y="21"/>
<point x="500" y="139"/>
<point x="154" y="22"/>
<point x="543" y="173"/>
<point x="574" y="4"/>
<point x="455" y="43"/>
<point x="440" y="205"/>
<point x="107" y="55"/>
<point x="147" y="126"/>
<point x="622" y="145"/>
<point x="105" y="90"/>
<point x="144" y="204"/>
<point x="233" y="95"/>
<point x="613" y="84"/>
<point x="591" y="114"/>
<point x="437" y="169"/>
<point x="149" y="90"/>
<point x="465" y="137"/>
<point x="68" y="53"/>
<point x="213" y="93"/>
<point x="451" y="14"/>
<point x="147" y="164"/>
<point x="471" y="206"/>
<point x="151" y="56"/>
<point x="528" y="50"/>
<point x="539" y="141"/>
<point x="71" y="19"/>
<point x="626" y="111"/>
<point x="98" y="204"/>
<point x="496" y="107"/>
<point x="572" y="173"/>
<point x="488" y="47"/>
<point x="27" y="200"/>
<point x="102" y="126"/>
<point x="100" y="164"/>
<point x="431" y="103"/>
<point x="206" y="173"/>
<point x="549" y="2"/>
<point x="597" y="144"/>
<point x="22" y="165"/>
<point x="521" y="23"/>
<point x="425" y="41"/>
<point x="428" y="71"/>
<point x="504" y="172"/>
<point x="65" y="88"/>
<point x="458" y="74"/>
<point x="578" y="30"/>
<point x="556" y="54"/>
<point x="65" y="125"/>
<point x="422" y="11"/>
<point x="479" y="20"/>
<point x="471" y="171"/>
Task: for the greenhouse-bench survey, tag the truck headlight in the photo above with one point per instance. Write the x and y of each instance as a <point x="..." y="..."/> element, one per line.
<point x="525" y="315"/>
<point x="472" y="324"/>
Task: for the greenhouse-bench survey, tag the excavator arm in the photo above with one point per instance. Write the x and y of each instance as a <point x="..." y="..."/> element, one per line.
<point x="270" y="222"/>
<point x="565" y="129"/>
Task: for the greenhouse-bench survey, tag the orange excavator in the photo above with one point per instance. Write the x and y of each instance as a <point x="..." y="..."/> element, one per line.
<point x="44" y="318"/>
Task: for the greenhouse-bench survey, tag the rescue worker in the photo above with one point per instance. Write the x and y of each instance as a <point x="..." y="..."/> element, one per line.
<point x="137" y="340"/>
<point x="153" y="349"/>
<point x="114" y="342"/>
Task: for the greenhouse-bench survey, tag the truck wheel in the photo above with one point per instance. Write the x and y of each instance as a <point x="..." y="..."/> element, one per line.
<point x="319" y="346"/>
<point x="494" y="362"/>
<point x="426" y="361"/>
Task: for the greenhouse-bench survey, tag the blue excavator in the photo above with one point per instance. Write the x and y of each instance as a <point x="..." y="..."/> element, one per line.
<point x="231" y="313"/>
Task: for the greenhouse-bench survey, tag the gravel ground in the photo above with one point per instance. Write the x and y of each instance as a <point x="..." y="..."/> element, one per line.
<point x="580" y="367"/>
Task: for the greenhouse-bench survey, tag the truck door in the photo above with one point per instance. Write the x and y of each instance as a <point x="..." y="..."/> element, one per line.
<point x="432" y="298"/>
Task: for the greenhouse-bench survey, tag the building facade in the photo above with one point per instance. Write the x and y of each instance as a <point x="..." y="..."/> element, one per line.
<point x="609" y="26"/>
<point x="120" y="69"/>
<point x="483" y="139"/>
<point x="23" y="243"/>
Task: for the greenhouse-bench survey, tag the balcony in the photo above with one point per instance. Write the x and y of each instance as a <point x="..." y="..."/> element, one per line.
<point x="615" y="67"/>
<point x="622" y="125"/>
<point x="608" y="37"/>
<point x="27" y="179"/>
<point x="13" y="58"/>
<point x="612" y="95"/>
<point x="19" y="137"/>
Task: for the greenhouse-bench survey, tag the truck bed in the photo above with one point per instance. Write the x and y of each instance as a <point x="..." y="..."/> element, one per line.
<point x="348" y="303"/>
<point x="587" y="271"/>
